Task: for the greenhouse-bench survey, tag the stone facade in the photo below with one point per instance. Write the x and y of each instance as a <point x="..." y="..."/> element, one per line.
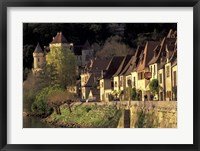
<point x="149" y="114"/>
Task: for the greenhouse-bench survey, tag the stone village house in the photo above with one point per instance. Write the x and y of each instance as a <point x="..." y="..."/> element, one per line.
<point x="103" y="77"/>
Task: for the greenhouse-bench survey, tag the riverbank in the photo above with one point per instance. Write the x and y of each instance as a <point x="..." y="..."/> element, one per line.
<point x="137" y="114"/>
<point x="85" y="116"/>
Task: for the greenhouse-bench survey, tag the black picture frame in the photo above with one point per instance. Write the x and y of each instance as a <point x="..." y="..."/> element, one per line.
<point x="4" y="4"/>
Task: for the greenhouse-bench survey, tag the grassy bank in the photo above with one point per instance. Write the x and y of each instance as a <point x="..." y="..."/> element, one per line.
<point x="86" y="116"/>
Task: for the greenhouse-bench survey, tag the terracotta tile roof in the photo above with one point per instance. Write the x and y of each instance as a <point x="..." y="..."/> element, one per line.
<point x="137" y="57"/>
<point x="38" y="49"/>
<point x="174" y="62"/>
<point x="173" y="57"/>
<point x="94" y="68"/>
<point x="99" y="64"/>
<point x="172" y="34"/>
<point x="162" y="63"/>
<point x="132" y="65"/>
<point x="96" y="65"/>
<point x="59" y="38"/>
<point x="129" y="67"/>
<point x="123" y="65"/>
<point x="113" y="66"/>
<point x="147" y="55"/>
<point x="156" y="56"/>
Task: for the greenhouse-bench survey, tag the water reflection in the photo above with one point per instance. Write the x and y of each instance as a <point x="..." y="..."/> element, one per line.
<point x="33" y="122"/>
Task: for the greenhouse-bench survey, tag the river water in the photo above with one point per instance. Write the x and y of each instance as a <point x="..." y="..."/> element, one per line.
<point x="34" y="122"/>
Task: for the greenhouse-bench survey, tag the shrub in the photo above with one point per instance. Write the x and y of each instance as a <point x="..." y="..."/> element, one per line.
<point x="133" y="94"/>
<point x="110" y="97"/>
<point x="154" y="87"/>
<point x="40" y="104"/>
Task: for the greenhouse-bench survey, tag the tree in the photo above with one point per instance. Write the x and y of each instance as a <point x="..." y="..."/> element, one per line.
<point x="59" y="97"/>
<point x="28" y="56"/>
<point x="40" y="104"/>
<point x="33" y="85"/>
<point x="114" y="47"/>
<point x="154" y="86"/>
<point x="64" y="62"/>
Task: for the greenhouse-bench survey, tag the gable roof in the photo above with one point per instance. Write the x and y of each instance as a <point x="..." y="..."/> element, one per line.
<point x="90" y="81"/>
<point x="113" y="66"/>
<point x="132" y="64"/>
<point x="86" y="46"/>
<point x="95" y="67"/>
<point x="161" y="49"/>
<point x="99" y="64"/>
<point x="128" y="68"/>
<point x="38" y="49"/>
<point x="147" y="54"/>
<point x="59" y="38"/>
<point x="123" y="65"/>
<point x="173" y="57"/>
<point x="172" y="34"/>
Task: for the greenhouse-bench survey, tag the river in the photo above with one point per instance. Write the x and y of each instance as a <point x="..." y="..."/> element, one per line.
<point x="34" y="122"/>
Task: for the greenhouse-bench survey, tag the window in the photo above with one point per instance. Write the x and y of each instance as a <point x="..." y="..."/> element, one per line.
<point x="174" y="78"/>
<point x="140" y="75"/>
<point x="129" y="82"/>
<point x="154" y="70"/>
<point x="112" y="84"/>
<point x="160" y="78"/>
<point x="167" y="72"/>
<point x="38" y="60"/>
<point x="121" y="81"/>
<point x="115" y="83"/>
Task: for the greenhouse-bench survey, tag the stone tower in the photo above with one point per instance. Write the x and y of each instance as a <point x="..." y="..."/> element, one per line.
<point x="39" y="59"/>
<point x="60" y="41"/>
<point x="87" y="53"/>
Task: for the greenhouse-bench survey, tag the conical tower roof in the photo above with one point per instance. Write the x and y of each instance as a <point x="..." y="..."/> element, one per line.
<point x="38" y="49"/>
<point x="86" y="46"/>
<point x="59" y="38"/>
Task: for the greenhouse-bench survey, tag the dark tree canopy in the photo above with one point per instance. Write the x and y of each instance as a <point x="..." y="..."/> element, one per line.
<point x="132" y="34"/>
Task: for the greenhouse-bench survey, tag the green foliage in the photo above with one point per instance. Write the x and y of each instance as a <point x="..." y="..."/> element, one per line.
<point x="40" y="104"/>
<point x="64" y="62"/>
<point x="133" y="94"/>
<point x="88" y="116"/>
<point x="141" y="119"/>
<point x="154" y="86"/>
<point x="78" y="33"/>
<point x="146" y="119"/>
<point x="110" y="97"/>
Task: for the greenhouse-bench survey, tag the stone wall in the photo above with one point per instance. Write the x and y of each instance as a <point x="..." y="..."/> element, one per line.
<point x="150" y="114"/>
